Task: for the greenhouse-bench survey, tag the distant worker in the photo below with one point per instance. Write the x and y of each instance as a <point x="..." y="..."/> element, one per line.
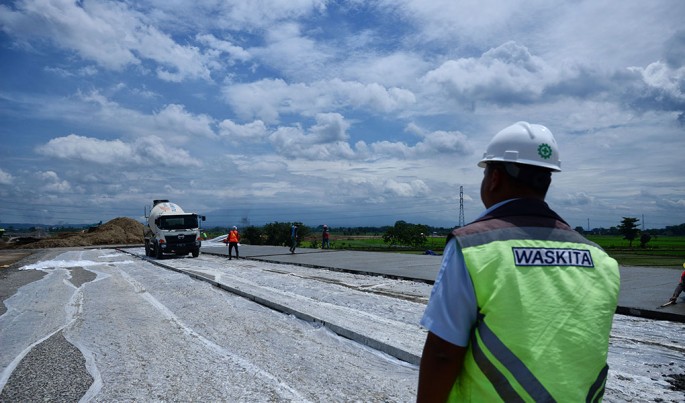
<point x="678" y="288"/>
<point x="293" y="238"/>
<point x="522" y="306"/>
<point x="325" y="244"/>
<point x="233" y="239"/>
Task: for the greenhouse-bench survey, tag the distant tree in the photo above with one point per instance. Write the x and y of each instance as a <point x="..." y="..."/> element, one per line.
<point x="404" y="233"/>
<point x="644" y="239"/>
<point x="580" y="230"/>
<point x="628" y="229"/>
<point x="303" y="231"/>
<point x="675" y="230"/>
<point x="277" y="233"/>
<point x="252" y="235"/>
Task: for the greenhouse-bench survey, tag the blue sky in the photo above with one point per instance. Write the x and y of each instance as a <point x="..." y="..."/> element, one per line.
<point x="343" y="113"/>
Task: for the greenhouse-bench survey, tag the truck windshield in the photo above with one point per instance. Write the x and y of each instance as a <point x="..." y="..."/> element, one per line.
<point x="178" y="221"/>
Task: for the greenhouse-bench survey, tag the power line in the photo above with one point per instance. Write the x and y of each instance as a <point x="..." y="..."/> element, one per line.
<point x="461" y="206"/>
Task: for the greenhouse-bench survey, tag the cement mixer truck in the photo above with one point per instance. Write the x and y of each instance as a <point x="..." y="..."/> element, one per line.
<point x="170" y="230"/>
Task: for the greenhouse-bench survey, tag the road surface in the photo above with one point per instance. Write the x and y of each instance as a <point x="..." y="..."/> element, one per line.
<point x="102" y="325"/>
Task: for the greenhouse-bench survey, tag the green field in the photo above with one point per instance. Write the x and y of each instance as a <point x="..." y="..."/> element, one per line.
<point x="661" y="251"/>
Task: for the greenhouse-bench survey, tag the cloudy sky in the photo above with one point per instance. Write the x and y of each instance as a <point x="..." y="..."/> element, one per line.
<point x="338" y="112"/>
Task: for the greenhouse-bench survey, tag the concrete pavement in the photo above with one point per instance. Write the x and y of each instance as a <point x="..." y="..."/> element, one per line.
<point x="643" y="289"/>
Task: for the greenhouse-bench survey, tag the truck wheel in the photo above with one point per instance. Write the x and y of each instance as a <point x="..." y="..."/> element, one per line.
<point x="158" y="251"/>
<point x="147" y="249"/>
<point x="196" y="252"/>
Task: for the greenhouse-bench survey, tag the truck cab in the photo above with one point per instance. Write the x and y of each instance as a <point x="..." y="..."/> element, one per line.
<point x="170" y="230"/>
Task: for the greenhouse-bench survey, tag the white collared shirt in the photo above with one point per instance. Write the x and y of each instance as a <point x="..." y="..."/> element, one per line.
<point x="452" y="308"/>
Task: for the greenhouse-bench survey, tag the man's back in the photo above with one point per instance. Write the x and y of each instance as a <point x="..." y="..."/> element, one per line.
<point x="545" y="297"/>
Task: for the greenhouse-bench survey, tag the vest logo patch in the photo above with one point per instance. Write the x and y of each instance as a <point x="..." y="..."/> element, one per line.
<point x="552" y="257"/>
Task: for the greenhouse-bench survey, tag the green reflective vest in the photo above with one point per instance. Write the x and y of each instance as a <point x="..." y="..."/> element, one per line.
<point x="546" y="298"/>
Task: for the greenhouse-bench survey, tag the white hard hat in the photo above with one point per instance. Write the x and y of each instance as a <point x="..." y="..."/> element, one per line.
<point x="524" y="143"/>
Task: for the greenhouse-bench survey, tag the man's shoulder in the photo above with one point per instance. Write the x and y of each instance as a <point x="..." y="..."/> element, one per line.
<point x="517" y="213"/>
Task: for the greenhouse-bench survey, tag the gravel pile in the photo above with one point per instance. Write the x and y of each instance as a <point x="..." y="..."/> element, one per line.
<point x="53" y="370"/>
<point x="119" y="231"/>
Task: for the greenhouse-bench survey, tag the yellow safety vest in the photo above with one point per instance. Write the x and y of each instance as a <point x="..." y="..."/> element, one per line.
<point x="546" y="298"/>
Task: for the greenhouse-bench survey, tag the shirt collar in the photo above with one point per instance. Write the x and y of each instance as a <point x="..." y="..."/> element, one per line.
<point x="494" y="206"/>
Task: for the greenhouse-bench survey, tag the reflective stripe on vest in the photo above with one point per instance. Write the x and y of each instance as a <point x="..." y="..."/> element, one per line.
<point x="597" y="389"/>
<point x="517" y="368"/>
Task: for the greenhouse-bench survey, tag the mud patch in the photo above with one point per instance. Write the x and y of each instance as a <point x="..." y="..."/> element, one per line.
<point x="80" y="276"/>
<point x="9" y="257"/>
<point x="11" y="278"/>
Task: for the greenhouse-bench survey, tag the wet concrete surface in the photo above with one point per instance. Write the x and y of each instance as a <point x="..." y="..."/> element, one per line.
<point x="643" y="289"/>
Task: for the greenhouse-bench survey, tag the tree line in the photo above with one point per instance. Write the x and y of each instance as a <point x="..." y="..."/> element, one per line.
<point x="416" y="235"/>
<point x="670" y="230"/>
<point x="628" y="228"/>
<point x="278" y="233"/>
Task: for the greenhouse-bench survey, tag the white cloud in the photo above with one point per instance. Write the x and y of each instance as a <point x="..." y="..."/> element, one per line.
<point x="294" y="54"/>
<point x="5" y="177"/>
<point x="108" y="33"/>
<point x="266" y="165"/>
<point x="503" y="75"/>
<point x="88" y="149"/>
<point x="443" y="142"/>
<point x="260" y="14"/>
<point x="268" y="99"/>
<point x="235" y="52"/>
<point x="175" y="62"/>
<point x="469" y="22"/>
<point x="397" y="69"/>
<point x="330" y="127"/>
<point x="175" y="118"/>
<point x="172" y="122"/>
<point x="153" y="150"/>
<point x="405" y="189"/>
<point x="328" y="139"/>
<point x="667" y="81"/>
<point x="255" y="131"/>
<point x="292" y="142"/>
<point x="53" y="183"/>
<point x="432" y="144"/>
<point x="148" y="151"/>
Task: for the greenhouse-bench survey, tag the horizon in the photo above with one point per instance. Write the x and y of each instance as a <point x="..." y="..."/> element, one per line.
<point x="213" y="226"/>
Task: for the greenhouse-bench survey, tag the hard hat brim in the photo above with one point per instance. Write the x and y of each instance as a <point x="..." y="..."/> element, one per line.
<point x="483" y="163"/>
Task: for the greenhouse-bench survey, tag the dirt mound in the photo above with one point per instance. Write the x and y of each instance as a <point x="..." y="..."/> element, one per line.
<point x="119" y="231"/>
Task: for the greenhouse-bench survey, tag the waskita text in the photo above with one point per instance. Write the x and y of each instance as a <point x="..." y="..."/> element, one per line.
<point x="552" y="257"/>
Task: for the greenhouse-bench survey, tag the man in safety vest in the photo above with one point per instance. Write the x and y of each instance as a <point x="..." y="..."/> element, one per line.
<point x="522" y="305"/>
<point x="293" y="238"/>
<point x="233" y="240"/>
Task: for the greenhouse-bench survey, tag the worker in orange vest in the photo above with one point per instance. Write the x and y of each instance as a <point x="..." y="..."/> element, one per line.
<point x="233" y="239"/>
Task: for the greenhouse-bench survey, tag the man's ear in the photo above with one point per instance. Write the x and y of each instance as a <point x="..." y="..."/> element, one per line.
<point x="496" y="179"/>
